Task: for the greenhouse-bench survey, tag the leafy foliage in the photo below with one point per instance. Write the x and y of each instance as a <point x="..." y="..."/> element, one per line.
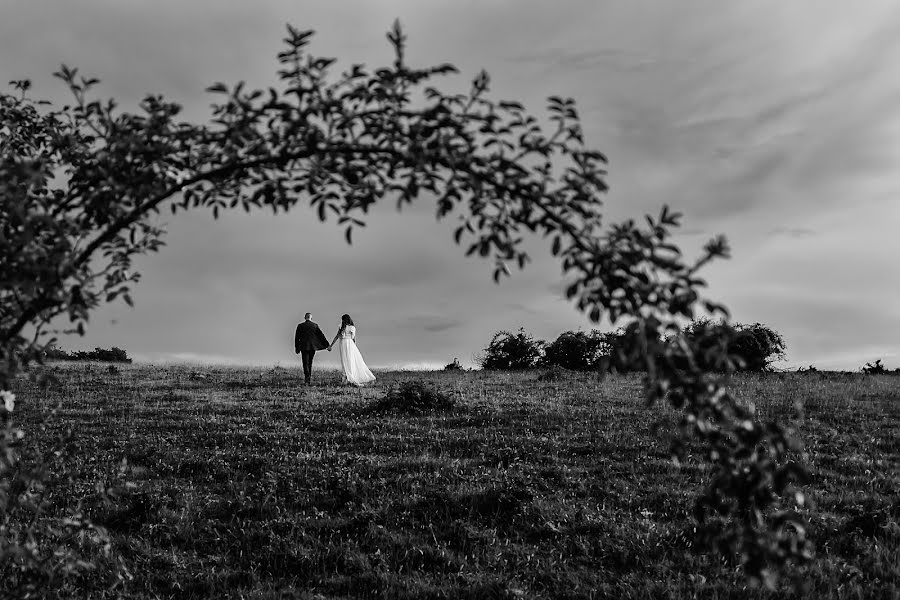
<point x="508" y="351"/>
<point x="82" y="187"/>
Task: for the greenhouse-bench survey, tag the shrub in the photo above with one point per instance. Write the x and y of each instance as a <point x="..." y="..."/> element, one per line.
<point x="875" y="368"/>
<point x="725" y="347"/>
<point x="454" y="366"/>
<point x="114" y="354"/>
<point x="581" y="351"/>
<point x="617" y="350"/>
<point x="413" y="397"/>
<point x="575" y="350"/>
<point x="54" y="353"/>
<point x="622" y="350"/>
<point x="757" y="346"/>
<point x="554" y="373"/>
<point x="509" y="351"/>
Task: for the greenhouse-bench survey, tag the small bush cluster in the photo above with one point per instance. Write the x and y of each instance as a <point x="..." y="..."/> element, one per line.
<point x="114" y="354"/>
<point x="723" y="348"/>
<point x="454" y="366"/>
<point x="554" y="373"/>
<point x="413" y="397"/>
<point x="726" y="347"/>
<point x="876" y="368"/>
<point x="574" y="350"/>
<point x="512" y="352"/>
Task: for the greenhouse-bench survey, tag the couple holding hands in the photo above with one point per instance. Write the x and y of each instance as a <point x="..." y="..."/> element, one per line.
<point x="308" y="338"/>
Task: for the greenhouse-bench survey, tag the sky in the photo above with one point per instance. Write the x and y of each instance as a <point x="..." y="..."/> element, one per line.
<point x="774" y="123"/>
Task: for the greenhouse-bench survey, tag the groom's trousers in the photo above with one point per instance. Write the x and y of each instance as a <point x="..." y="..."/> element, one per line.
<point x="307" y="358"/>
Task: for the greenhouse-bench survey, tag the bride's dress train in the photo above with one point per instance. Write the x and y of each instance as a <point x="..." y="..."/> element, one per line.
<point x="355" y="369"/>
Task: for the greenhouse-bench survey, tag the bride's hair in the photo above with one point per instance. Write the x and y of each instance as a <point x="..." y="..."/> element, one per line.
<point x="345" y="320"/>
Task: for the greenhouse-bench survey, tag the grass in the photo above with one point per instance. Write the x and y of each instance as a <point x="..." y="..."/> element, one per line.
<point x="249" y="485"/>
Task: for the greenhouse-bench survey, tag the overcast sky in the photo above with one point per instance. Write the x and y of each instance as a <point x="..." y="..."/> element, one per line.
<point x="776" y="123"/>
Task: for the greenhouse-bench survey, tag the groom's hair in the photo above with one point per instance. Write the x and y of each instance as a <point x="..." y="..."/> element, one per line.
<point x="307" y="315"/>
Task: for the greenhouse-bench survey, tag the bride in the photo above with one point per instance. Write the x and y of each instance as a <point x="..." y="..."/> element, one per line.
<point x="355" y="369"/>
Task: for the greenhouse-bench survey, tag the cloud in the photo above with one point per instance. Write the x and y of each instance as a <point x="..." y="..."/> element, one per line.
<point x="612" y="58"/>
<point x="777" y="123"/>
<point x="437" y="327"/>
<point x="522" y="308"/>
<point x="195" y="358"/>
<point x="690" y="232"/>
<point x="794" y="232"/>
<point x="430" y="323"/>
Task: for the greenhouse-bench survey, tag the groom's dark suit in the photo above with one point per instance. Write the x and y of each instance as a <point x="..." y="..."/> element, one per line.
<point x="307" y="339"/>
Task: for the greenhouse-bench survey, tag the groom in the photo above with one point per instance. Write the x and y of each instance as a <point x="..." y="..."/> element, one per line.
<point x="307" y="339"/>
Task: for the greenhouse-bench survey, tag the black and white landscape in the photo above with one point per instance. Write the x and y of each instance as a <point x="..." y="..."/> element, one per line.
<point x="623" y="273"/>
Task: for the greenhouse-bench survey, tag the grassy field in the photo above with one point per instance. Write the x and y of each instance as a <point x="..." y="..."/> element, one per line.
<point x="248" y="485"/>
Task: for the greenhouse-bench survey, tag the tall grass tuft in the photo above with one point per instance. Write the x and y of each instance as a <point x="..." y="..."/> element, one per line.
<point x="413" y="397"/>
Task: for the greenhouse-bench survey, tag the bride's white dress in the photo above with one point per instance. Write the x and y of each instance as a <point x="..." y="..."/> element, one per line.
<point x="355" y="369"/>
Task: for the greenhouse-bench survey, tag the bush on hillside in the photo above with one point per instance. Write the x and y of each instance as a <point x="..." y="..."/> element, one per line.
<point x="114" y="354"/>
<point x="623" y="350"/>
<point x="757" y="345"/>
<point x="454" y="366"/>
<point x="876" y="368"/>
<point x="722" y="348"/>
<point x="726" y="347"/>
<point x="555" y="373"/>
<point x="574" y="350"/>
<point x="580" y="351"/>
<point x="508" y="351"/>
<point x="413" y="397"/>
